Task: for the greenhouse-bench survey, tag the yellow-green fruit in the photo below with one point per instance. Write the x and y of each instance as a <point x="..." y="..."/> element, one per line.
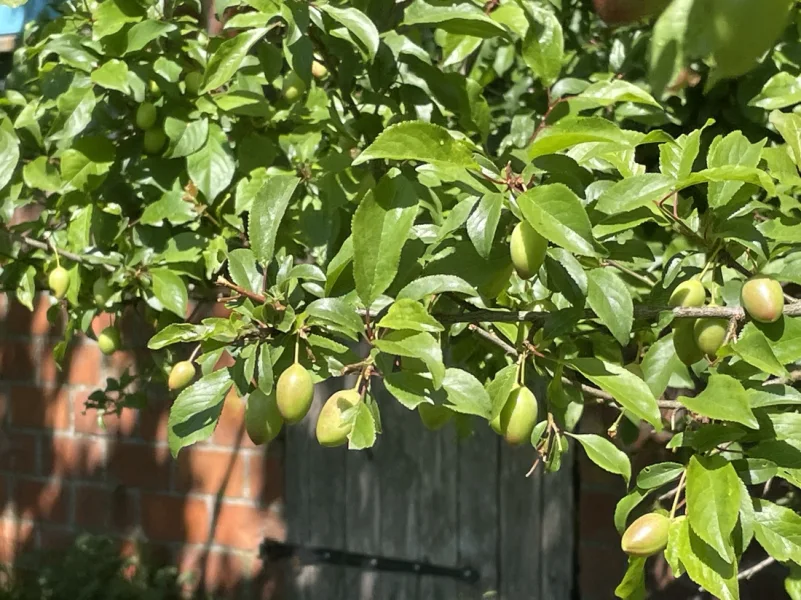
<point x="263" y="421"/>
<point x="154" y="88"/>
<point x="293" y="87"/>
<point x="294" y="393"/>
<point x="434" y="416"/>
<point x="743" y="30"/>
<point x="146" y="116"/>
<point x="331" y="430"/>
<point x="154" y="140"/>
<point x="193" y="80"/>
<point x="101" y="292"/>
<point x="647" y="536"/>
<point x="59" y="282"/>
<point x="497" y="283"/>
<point x="319" y="70"/>
<point x="518" y="416"/>
<point x="180" y="375"/>
<point x="763" y="299"/>
<point x="684" y="342"/>
<point x="709" y="335"/>
<point x="109" y="340"/>
<point x="688" y="293"/>
<point x="527" y="249"/>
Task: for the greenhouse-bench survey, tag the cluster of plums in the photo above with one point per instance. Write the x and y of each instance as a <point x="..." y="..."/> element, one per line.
<point x="147" y="114"/>
<point x="761" y="297"/>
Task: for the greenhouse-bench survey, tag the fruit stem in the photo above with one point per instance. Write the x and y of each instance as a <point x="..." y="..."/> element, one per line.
<point x="521" y="369"/>
<point x="297" y="347"/>
<point x="709" y="262"/>
<point x="55" y="251"/>
<point x="678" y="493"/>
<point x="194" y="353"/>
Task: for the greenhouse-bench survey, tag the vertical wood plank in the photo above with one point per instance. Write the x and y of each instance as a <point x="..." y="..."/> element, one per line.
<point x="477" y="500"/>
<point x="520" y="520"/>
<point x="398" y="458"/>
<point x="558" y="539"/>
<point x="296" y="503"/>
<point x="437" y="507"/>
<point x="321" y="487"/>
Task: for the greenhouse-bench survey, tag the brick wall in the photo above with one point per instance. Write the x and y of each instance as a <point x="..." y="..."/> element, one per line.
<point x="63" y="472"/>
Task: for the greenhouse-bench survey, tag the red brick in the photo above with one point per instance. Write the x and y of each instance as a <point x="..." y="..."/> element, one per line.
<point x="22" y="321"/>
<point x="77" y="457"/>
<point x="100" y="508"/>
<point x="596" y="523"/>
<point x="174" y="518"/>
<point x="230" y="429"/>
<point x="81" y="366"/>
<point x="153" y="422"/>
<point x="266" y="478"/>
<point x="140" y="465"/>
<point x="243" y="526"/>
<point x="16" y="361"/>
<point x="86" y="419"/>
<point x="35" y="407"/>
<point x="221" y="572"/>
<point x="210" y="471"/>
<point x="600" y="569"/>
<point x="18" y="452"/>
<point x="15" y="537"/>
<point x="41" y="501"/>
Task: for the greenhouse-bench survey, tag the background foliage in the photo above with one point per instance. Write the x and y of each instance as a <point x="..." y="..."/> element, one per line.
<point x="348" y="174"/>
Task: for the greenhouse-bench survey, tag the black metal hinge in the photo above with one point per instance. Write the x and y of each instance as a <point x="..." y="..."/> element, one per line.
<point x="274" y="551"/>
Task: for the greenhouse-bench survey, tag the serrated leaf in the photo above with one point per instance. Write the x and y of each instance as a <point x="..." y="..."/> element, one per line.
<point x="212" y="167"/>
<point x="381" y="225"/>
<point x="265" y="376"/>
<point x="483" y="222"/>
<point x="605" y="454"/>
<point x="778" y="530"/>
<point x="186" y="137"/>
<point x="416" y="344"/>
<point x="754" y="348"/>
<point x="500" y="387"/>
<point x="657" y="475"/>
<point x="410" y="389"/>
<point x="358" y="24"/>
<point x="112" y="75"/>
<point x="725" y="399"/>
<point x="606" y="93"/>
<point x="363" y="433"/>
<point x="635" y="192"/>
<point x="417" y="140"/>
<point x="570" y="132"/>
<point x="460" y="18"/>
<point x="436" y="284"/>
<point x="789" y="127"/>
<point x="611" y="301"/>
<point x="556" y="213"/>
<point x="170" y="290"/>
<point x="196" y="410"/>
<point x="243" y="270"/>
<point x="228" y="57"/>
<point x="734" y="149"/>
<point x="660" y="363"/>
<point x="626" y="388"/>
<point x="409" y="314"/>
<point x="141" y="34"/>
<point x="543" y="44"/>
<point x="269" y="205"/>
<point x="713" y="502"/>
<point x="176" y="333"/>
<point x="337" y="312"/>
<point x="703" y="565"/>
<point x="465" y="394"/>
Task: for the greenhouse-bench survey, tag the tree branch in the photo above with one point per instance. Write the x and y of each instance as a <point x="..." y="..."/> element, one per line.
<point x="68" y="255"/>
<point x="241" y="291"/>
<point x="751" y="571"/>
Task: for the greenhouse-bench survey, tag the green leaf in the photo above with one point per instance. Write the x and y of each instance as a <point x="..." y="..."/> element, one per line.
<point x="784" y="338"/>
<point x="657" y="475"/>
<point x="38" y="174"/>
<point x="632" y="587"/>
<point x="734" y="149"/>
<point x="703" y="565"/>
<point x="500" y="387"/>
<point x="570" y="132"/>
<point x="195" y="412"/>
<point x="409" y="314"/>
<point x="667" y="49"/>
<point x="660" y="363"/>
<point x="243" y="270"/>
<point x="625" y="387"/>
<point x="605" y="454"/>
<point x="410" y="389"/>
<point x="789" y="127"/>
<point x="778" y="530"/>
<point x="381" y="225"/>
<point x="627" y="504"/>
<point x="171" y="207"/>
<point x="483" y="222"/>
<point x="112" y="75"/>
<point x="270" y="202"/>
<point x="606" y="93"/>
<point x="725" y="399"/>
<point x="186" y="137"/>
<point x="780" y="91"/>
<point x="363" y="433"/>
<point x="610" y="299"/>
<point x="635" y="192"/>
<point x="75" y="107"/>
<point x="141" y="34"/>
<point x="358" y="24"/>
<point x="556" y="213"/>
<point x="755" y="471"/>
<point x="460" y="18"/>
<point x="212" y="167"/>
<point x="266" y="378"/>
<point x="111" y="15"/>
<point x="676" y="158"/>
<point x="26" y="289"/>
<point x="9" y="156"/>
<point x="792" y="584"/>
<point x="170" y="290"/>
<point x="436" y="284"/>
<point x="227" y="59"/>
<point x="416" y="344"/>
<point x="416" y="140"/>
<point x="753" y="347"/>
<point x="85" y="164"/>
<point x="543" y="45"/>
<point x="336" y="311"/>
<point x="176" y="333"/>
<point x="713" y="501"/>
<point x="465" y="393"/>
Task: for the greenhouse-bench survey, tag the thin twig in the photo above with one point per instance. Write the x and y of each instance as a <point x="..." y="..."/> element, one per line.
<point x="64" y="253"/>
<point x="241" y="291"/>
<point x="646" y="280"/>
<point x="751" y="571"/>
